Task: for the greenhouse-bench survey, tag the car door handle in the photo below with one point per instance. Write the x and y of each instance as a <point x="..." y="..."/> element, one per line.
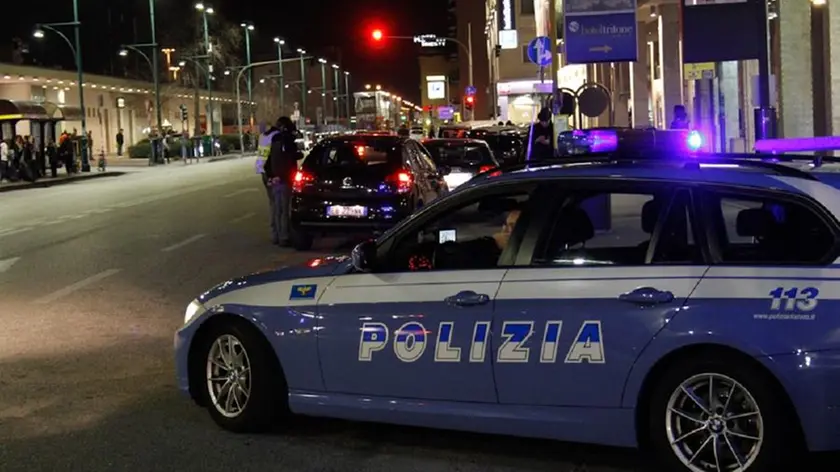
<point x="647" y="296"/>
<point x="468" y="298"/>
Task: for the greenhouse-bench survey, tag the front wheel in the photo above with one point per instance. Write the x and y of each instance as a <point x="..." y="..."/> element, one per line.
<point x="242" y="379"/>
<point x="716" y="416"/>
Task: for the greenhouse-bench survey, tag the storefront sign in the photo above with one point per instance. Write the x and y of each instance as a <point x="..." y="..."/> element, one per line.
<point x="508" y="38"/>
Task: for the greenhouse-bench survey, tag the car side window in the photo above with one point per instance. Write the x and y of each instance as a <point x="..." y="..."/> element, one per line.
<point x="423" y="157"/>
<point x="767" y="230"/>
<point x="595" y="229"/>
<point x="676" y="241"/>
<point x="472" y="235"/>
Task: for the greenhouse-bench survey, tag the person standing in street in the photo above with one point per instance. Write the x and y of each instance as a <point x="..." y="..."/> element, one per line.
<point x="681" y="120"/>
<point x="4" y="161"/>
<point x="542" y="146"/>
<point x="120" y="142"/>
<point x="280" y="169"/>
<point x="263" y="153"/>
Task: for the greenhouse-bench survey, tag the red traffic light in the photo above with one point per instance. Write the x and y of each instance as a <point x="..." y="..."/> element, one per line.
<point x="377" y="35"/>
<point x="470" y="100"/>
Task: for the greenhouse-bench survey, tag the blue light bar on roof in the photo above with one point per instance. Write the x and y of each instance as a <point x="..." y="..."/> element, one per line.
<point x="783" y="145"/>
<point x="608" y="140"/>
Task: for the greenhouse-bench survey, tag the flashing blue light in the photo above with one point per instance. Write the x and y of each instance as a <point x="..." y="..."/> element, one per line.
<point x="695" y="141"/>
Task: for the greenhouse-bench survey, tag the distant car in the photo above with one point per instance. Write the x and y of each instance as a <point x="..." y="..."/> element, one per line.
<point x="360" y="182"/>
<point x="508" y="147"/>
<point x="417" y="133"/>
<point x="462" y="158"/>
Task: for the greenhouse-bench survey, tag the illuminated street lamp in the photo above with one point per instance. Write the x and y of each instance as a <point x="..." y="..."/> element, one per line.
<point x="303" y="92"/>
<point x="347" y="92"/>
<point x="323" y="90"/>
<point x="208" y="50"/>
<point x="248" y="27"/>
<point x="336" y="87"/>
<point x="281" y="80"/>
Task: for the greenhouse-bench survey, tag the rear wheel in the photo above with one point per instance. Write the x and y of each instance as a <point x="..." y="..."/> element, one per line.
<point x="720" y="415"/>
<point x="243" y="381"/>
<point x="300" y="239"/>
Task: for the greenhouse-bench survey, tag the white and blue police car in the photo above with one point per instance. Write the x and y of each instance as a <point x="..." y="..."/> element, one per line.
<point x="683" y="305"/>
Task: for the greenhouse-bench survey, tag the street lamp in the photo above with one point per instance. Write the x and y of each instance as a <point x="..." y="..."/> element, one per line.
<point x="302" y="53"/>
<point x="336" y="87"/>
<point x="347" y="93"/>
<point x="280" y="43"/>
<point x="155" y="79"/>
<point x="248" y="27"/>
<point x="208" y="50"/>
<point x="323" y="90"/>
<point x="76" y="48"/>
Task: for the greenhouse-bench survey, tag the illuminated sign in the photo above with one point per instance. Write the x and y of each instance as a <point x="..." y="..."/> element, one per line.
<point x="436" y="90"/>
<point x="120" y="102"/>
<point x="508" y="37"/>
<point x="429" y="41"/>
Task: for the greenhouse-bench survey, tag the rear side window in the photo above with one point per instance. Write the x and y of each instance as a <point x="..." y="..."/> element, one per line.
<point x="365" y="151"/>
<point x="768" y="231"/>
<point x="460" y="154"/>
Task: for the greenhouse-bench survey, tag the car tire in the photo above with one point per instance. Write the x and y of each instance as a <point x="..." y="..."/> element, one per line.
<point x="301" y="240"/>
<point x="256" y="393"/>
<point x="744" y="394"/>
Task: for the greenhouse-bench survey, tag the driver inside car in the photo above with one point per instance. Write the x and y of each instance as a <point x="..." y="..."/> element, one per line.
<point x="479" y="253"/>
<point x="503" y="236"/>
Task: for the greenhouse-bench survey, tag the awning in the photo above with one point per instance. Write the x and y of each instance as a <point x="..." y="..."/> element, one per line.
<point x="63" y="112"/>
<point x="22" y="110"/>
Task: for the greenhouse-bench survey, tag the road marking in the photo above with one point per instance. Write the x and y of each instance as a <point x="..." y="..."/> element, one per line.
<point x="10" y="232"/>
<point x="240" y="192"/>
<point x="58" y="294"/>
<point x="243" y="217"/>
<point x="183" y="243"/>
<point x="7" y="264"/>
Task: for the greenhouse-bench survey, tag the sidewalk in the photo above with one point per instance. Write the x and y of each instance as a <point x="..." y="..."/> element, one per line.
<point x="116" y="168"/>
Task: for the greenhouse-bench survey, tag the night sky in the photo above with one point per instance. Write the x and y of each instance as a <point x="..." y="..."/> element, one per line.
<point x="322" y="27"/>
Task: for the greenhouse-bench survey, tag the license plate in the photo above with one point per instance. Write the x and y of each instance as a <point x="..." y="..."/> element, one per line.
<point x="356" y="211"/>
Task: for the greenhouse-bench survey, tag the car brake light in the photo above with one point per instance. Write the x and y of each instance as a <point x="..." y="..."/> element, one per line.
<point x="402" y="180"/>
<point x="484" y="169"/>
<point x="301" y="179"/>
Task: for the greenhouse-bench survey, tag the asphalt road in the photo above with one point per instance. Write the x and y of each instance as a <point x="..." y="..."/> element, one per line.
<point x="94" y="279"/>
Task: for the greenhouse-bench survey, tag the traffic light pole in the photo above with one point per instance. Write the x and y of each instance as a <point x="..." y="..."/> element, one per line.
<point x="347" y="96"/>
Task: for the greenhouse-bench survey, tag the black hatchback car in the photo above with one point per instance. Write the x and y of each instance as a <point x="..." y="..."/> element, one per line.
<point x="360" y="183"/>
<point x="461" y="158"/>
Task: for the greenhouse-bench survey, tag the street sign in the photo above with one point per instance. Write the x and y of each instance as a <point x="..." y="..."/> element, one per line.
<point x="699" y="71"/>
<point x="600" y="31"/>
<point x="429" y="41"/>
<point x="540" y="51"/>
<point x="470" y="90"/>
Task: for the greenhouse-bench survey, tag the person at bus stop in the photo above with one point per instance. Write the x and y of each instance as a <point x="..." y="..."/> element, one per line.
<point x="541" y="136"/>
<point x="280" y="169"/>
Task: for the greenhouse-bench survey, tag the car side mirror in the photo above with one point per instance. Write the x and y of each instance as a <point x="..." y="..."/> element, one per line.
<point x="364" y="256"/>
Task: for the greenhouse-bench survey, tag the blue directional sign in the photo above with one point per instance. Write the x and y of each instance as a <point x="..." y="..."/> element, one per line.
<point x="539" y="51"/>
<point x="600" y="31"/>
<point x="470" y="90"/>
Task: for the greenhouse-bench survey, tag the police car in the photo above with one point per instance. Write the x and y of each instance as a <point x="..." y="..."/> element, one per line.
<point x="685" y="306"/>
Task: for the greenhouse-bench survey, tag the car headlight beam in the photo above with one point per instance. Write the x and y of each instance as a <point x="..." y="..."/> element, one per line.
<point x="193" y="309"/>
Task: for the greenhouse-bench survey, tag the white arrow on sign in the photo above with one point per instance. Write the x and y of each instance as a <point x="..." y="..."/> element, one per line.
<point x="7" y="264"/>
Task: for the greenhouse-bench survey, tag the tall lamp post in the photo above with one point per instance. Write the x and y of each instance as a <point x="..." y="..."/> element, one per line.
<point x="208" y="51"/>
<point x="323" y="90"/>
<point x="155" y="78"/>
<point x="336" y="94"/>
<point x="281" y="80"/>
<point x="302" y="86"/>
<point x="75" y="47"/>
<point x="250" y="78"/>
<point x="347" y="95"/>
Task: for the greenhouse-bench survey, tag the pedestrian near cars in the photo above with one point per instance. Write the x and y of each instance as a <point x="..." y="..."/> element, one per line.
<point x="280" y="168"/>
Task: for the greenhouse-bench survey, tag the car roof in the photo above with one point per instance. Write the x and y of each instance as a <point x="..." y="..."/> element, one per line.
<point x="453" y="141"/>
<point x="687" y="171"/>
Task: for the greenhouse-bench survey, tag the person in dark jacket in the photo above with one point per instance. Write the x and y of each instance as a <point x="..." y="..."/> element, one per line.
<point x="542" y="146"/>
<point x="280" y="169"/>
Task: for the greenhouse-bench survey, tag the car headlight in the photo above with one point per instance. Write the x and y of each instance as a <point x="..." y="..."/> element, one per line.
<point x="193" y="309"/>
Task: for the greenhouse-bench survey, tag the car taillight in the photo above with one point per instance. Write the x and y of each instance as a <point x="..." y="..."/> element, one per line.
<point x="484" y="169"/>
<point x="402" y="181"/>
<point x="301" y="179"/>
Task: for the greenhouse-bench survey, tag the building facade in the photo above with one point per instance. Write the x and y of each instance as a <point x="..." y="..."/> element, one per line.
<point x="111" y="104"/>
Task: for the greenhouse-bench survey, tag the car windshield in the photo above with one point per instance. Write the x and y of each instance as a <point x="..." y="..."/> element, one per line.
<point x="455" y="154"/>
<point x="355" y="151"/>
